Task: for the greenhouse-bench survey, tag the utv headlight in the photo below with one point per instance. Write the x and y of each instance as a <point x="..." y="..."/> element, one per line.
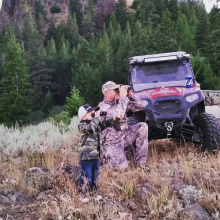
<point x="192" y="98"/>
<point x="145" y="102"/>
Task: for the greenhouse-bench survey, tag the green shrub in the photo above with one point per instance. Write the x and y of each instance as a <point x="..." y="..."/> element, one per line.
<point x="62" y="117"/>
<point x="57" y="109"/>
<point x="36" y="116"/>
<point x="55" y="9"/>
<point x="47" y="104"/>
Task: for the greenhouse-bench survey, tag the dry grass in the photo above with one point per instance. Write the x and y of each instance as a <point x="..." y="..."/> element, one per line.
<point x="131" y="194"/>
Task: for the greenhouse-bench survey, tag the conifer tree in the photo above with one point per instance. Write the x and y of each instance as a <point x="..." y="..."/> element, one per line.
<point x="72" y="31"/>
<point x="173" y="8"/>
<point x="121" y="13"/>
<point x="34" y="44"/>
<point x="213" y="41"/>
<point x="104" y="58"/>
<point x="51" y="48"/>
<point x="124" y="52"/>
<point x="204" y="74"/>
<point x="185" y="35"/>
<point x="140" y="40"/>
<point x="88" y="26"/>
<point x="143" y="9"/>
<point x="63" y="52"/>
<point x="47" y="104"/>
<point x="168" y="35"/>
<point x="115" y="34"/>
<point x="27" y="29"/>
<point x="83" y="53"/>
<point x="59" y="36"/>
<point x="15" y="97"/>
<point x="160" y="6"/>
<point x="76" y="8"/>
<point x="202" y="28"/>
<point x="88" y="81"/>
<point x="73" y="102"/>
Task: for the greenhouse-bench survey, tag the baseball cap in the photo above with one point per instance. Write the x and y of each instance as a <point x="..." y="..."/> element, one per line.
<point x="84" y="109"/>
<point x="109" y="85"/>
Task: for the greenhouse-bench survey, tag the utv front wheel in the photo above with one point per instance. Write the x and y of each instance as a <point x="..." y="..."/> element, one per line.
<point x="207" y="131"/>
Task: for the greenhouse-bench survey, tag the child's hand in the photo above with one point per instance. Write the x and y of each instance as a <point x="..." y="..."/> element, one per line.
<point x="97" y="113"/>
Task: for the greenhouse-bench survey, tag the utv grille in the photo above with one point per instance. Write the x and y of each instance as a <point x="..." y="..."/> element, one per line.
<point x="167" y="107"/>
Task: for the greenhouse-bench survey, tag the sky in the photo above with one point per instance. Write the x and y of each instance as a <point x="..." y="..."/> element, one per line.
<point x="208" y="4"/>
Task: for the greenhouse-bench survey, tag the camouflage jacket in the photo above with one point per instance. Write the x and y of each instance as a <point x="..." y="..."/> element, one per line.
<point x="89" y="146"/>
<point x="124" y="104"/>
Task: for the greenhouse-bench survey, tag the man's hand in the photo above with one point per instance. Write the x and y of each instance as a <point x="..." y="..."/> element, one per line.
<point x="119" y="116"/>
<point x="123" y="90"/>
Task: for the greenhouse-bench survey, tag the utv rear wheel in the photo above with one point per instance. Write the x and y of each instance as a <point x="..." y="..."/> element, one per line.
<point x="207" y="131"/>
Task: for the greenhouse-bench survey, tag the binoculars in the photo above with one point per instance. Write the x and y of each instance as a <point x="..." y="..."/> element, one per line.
<point x="101" y="114"/>
<point x="129" y="89"/>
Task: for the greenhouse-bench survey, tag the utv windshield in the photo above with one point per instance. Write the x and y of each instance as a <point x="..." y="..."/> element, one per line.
<point x="160" y="74"/>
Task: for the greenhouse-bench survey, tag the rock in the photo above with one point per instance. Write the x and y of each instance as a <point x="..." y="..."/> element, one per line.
<point x="144" y="190"/>
<point x="196" y="212"/>
<point x="208" y="101"/>
<point x="73" y="172"/>
<point x="132" y="205"/>
<point x="215" y="100"/>
<point x="37" y="178"/>
<point x="177" y="182"/>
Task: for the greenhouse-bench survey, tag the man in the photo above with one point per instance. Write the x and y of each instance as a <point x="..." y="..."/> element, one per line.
<point x="117" y="101"/>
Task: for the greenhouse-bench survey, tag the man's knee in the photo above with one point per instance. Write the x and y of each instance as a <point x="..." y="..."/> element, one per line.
<point x="142" y="129"/>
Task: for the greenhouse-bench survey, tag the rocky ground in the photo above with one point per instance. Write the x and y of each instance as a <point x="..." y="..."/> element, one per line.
<point x="183" y="183"/>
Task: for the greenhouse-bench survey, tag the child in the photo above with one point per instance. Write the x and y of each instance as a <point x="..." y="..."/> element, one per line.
<point x="90" y="128"/>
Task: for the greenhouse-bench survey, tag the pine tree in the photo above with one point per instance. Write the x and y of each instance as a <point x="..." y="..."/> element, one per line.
<point x="83" y="53"/>
<point x="34" y="44"/>
<point x="51" y="48"/>
<point x="140" y="40"/>
<point x="173" y="9"/>
<point x="213" y="41"/>
<point x="63" y="52"/>
<point x="104" y="58"/>
<point x="88" y="26"/>
<point x="15" y="98"/>
<point x="204" y="74"/>
<point x="143" y="9"/>
<point x="121" y="13"/>
<point x="185" y="35"/>
<point x="59" y="36"/>
<point x="160" y="6"/>
<point x="168" y="35"/>
<point x="88" y="81"/>
<point x="72" y="31"/>
<point x="47" y="104"/>
<point x="202" y="28"/>
<point x="77" y="9"/>
<point x="124" y="52"/>
<point x="73" y="102"/>
<point x="28" y="29"/>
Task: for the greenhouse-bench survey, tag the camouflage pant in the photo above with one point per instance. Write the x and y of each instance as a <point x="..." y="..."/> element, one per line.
<point x="113" y="149"/>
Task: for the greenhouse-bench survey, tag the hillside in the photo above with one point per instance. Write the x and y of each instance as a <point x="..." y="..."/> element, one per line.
<point x="15" y="12"/>
<point x="183" y="182"/>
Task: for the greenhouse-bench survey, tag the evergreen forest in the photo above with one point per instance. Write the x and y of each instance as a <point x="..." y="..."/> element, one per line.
<point x="70" y="62"/>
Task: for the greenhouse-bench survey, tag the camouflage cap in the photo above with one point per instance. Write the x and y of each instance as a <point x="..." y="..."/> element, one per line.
<point x="109" y="85"/>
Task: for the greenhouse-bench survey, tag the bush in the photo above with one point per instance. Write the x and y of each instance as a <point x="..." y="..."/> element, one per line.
<point x="36" y="116"/>
<point x="55" y="9"/>
<point x="60" y="117"/>
<point x="57" y="109"/>
<point x="47" y="104"/>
